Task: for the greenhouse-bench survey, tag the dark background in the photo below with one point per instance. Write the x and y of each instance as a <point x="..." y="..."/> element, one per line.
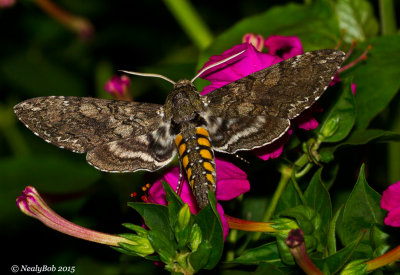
<point x="38" y="57"/>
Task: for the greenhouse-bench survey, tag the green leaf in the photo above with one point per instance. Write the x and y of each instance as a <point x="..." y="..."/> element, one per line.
<point x="357" y="18"/>
<point x="284" y="250"/>
<point x="318" y="198"/>
<point x="358" y="137"/>
<point x="361" y="211"/>
<point x="377" y="78"/>
<point x="315" y="25"/>
<point x="289" y="198"/>
<point x="263" y="253"/>
<point x="162" y="245"/>
<point x="270" y="269"/>
<point x="200" y="258"/>
<point x="305" y="216"/>
<point x="365" y="136"/>
<point x="336" y="261"/>
<point x="211" y="229"/>
<point x="155" y="217"/>
<point x="174" y="203"/>
<point x="380" y="240"/>
<point x="344" y="112"/>
<point x="331" y="233"/>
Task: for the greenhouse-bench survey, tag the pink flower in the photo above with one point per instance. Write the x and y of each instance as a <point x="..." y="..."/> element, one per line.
<point x="390" y="201"/>
<point x="255" y="39"/>
<point x="118" y="87"/>
<point x="280" y="48"/>
<point x="7" y="3"/>
<point x="231" y="182"/>
<point x="32" y="204"/>
<point x="283" y="46"/>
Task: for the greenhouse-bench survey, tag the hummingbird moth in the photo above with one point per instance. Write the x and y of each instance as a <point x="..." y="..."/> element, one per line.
<point x="121" y="136"/>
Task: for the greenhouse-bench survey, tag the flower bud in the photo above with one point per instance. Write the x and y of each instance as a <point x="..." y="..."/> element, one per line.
<point x="330" y="127"/>
<point x="195" y="238"/>
<point x="142" y="248"/>
<point x="184" y="216"/>
<point x="355" y="268"/>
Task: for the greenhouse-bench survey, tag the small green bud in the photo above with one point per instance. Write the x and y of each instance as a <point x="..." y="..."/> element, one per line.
<point x="284" y="225"/>
<point x="357" y="267"/>
<point x="142" y="248"/>
<point x="195" y="238"/>
<point x="184" y="216"/>
<point x="330" y="127"/>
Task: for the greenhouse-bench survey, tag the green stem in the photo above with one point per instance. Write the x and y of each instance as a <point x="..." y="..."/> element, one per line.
<point x="190" y="21"/>
<point x="388" y="17"/>
<point x="232" y="238"/>
<point x="285" y="177"/>
<point x="298" y="189"/>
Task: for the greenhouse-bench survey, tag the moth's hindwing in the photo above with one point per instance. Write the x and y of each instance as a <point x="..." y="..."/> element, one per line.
<point x="246" y="132"/>
<point x="131" y="154"/>
<point x="277" y="93"/>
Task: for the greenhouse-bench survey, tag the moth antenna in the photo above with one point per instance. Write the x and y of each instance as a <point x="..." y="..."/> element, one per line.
<point x="216" y="64"/>
<point x="149" y="75"/>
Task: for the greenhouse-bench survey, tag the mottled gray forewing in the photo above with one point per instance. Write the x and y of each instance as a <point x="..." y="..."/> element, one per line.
<point x="281" y="90"/>
<point x="255" y="110"/>
<point x="80" y="124"/>
<point x="245" y="133"/>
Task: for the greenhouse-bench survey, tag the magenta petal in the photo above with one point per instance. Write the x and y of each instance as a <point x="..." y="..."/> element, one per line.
<point x="353" y="88"/>
<point x="307" y="124"/>
<point x="273" y="150"/>
<point x="224" y="221"/>
<point x="241" y="66"/>
<point x="393" y="217"/>
<point x="157" y="193"/>
<point x="391" y="197"/>
<point x="231" y="181"/>
<point x="284" y="46"/>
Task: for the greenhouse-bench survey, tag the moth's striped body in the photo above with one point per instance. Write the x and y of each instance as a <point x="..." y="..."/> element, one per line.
<point x="197" y="159"/>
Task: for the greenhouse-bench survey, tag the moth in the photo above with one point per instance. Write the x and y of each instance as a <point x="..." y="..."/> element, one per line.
<point x="121" y="136"/>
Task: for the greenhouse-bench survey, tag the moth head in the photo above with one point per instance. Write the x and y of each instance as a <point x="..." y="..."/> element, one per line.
<point x="183" y="103"/>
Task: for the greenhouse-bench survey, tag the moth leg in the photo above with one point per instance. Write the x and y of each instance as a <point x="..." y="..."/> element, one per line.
<point x="180" y="182"/>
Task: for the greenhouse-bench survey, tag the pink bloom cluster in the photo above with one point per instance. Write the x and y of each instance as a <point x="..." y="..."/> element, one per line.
<point x="390" y="201"/>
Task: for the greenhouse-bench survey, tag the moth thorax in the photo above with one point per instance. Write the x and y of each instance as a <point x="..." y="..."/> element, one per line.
<point x="183" y="103"/>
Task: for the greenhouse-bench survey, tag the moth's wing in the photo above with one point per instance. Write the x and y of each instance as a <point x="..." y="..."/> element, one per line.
<point x="144" y="152"/>
<point x="80" y="124"/>
<point x="282" y="90"/>
<point x="244" y="132"/>
<point x="277" y="93"/>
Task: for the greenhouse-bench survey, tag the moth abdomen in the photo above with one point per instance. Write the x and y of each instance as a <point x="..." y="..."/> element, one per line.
<point x="197" y="158"/>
